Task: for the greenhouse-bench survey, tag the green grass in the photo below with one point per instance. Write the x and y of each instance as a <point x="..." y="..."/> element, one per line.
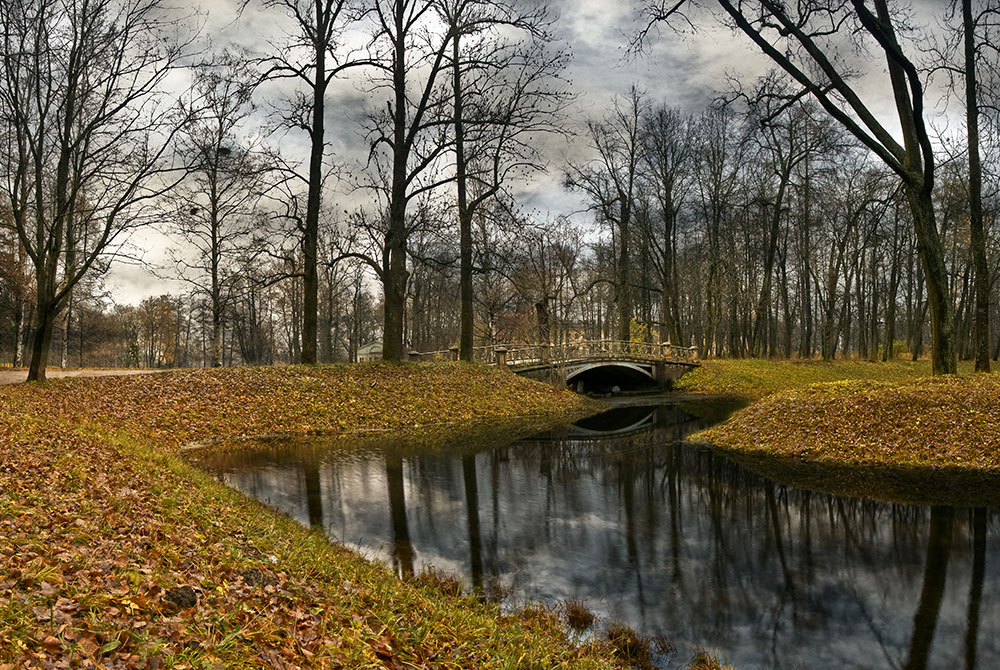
<point x="102" y="517"/>
<point x="753" y="378"/>
<point x="883" y="431"/>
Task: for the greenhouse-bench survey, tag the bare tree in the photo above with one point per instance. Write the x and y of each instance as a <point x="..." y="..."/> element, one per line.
<point x="506" y="94"/>
<point x="720" y="149"/>
<point x="215" y="208"/>
<point x="978" y="35"/>
<point x="803" y="41"/>
<point x="787" y="142"/>
<point x="408" y="140"/>
<point x="610" y="182"/>
<point x="88" y="134"/>
<point x="313" y="56"/>
<point x="666" y="156"/>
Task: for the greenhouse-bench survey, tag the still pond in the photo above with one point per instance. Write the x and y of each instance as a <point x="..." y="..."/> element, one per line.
<point x="672" y="539"/>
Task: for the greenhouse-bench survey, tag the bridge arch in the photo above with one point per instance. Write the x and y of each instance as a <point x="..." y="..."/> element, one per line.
<point x="597" y="365"/>
<point x="604" y="375"/>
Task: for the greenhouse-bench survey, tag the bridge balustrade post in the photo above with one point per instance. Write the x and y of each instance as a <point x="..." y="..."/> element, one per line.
<point x="454" y="353"/>
<point x="501" y="357"/>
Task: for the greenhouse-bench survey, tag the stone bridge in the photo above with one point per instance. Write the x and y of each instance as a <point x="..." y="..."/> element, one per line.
<point x="600" y="365"/>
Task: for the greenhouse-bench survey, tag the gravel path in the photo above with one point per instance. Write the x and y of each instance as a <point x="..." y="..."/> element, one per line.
<point x="17" y="376"/>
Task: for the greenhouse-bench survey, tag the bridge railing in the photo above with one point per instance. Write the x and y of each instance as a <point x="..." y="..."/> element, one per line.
<point x="538" y="354"/>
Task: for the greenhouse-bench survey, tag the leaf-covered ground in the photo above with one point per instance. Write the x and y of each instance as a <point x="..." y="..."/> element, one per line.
<point x="114" y="552"/>
<point x="753" y="378"/>
<point x="928" y="439"/>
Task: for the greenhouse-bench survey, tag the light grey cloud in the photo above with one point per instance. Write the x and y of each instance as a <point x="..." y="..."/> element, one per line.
<point x="687" y="71"/>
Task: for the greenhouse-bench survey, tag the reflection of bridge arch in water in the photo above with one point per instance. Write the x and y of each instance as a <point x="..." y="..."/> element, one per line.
<point x="617" y="421"/>
<point x="645" y="423"/>
<point x="670" y="538"/>
<point x="623" y="421"/>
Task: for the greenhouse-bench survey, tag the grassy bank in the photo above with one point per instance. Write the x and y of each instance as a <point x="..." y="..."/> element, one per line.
<point x="115" y="551"/>
<point x="752" y="378"/>
<point x="884" y="431"/>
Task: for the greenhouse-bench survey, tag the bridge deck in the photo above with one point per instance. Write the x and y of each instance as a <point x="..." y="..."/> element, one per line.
<point x="527" y="365"/>
<point x="569" y="353"/>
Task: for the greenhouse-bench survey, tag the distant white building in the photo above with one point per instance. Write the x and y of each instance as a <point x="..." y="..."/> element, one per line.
<point x="370" y="352"/>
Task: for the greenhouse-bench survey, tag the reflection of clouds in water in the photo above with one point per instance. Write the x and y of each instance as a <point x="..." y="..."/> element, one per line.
<point x="673" y="540"/>
<point x="280" y="487"/>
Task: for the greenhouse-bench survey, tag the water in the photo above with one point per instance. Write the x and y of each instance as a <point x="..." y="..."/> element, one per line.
<point x="672" y="539"/>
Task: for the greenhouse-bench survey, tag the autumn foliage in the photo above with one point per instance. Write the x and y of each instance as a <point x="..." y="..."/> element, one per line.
<point x="114" y="552"/>
<point x="924" y="440"/>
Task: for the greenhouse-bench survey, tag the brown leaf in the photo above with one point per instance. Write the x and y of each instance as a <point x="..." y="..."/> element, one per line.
<point x="88" y="646"/>
<point x="66" y="605"/>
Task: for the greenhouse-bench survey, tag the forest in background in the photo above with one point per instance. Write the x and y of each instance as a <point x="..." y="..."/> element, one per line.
<point x="760" y="226"/>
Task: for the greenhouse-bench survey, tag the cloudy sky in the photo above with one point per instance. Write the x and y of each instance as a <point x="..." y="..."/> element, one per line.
<point x="686" y="71"/>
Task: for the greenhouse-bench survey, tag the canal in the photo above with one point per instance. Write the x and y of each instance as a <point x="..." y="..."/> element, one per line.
<point x="675" y="540"/>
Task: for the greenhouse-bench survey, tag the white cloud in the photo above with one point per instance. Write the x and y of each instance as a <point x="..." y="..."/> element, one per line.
<point x="683" y="70"/>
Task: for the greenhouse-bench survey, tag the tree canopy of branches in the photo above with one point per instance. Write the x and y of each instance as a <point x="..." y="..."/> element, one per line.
<point x="802" y="40"/>
<point x="86" y="132"/>
<point x="216" y="209"/>
<point x="313" y="56"/>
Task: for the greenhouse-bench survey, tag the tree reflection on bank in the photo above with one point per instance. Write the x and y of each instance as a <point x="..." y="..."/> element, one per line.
<point x="672" y="539"/>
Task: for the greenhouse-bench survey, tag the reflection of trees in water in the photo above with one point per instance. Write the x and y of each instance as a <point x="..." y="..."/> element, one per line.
<point x="939" y="540"/>
<point x="314" y="492"/>
<point x="469" y="479"/>
<point x="681" y="540"/>
<point x="976" y="588"/>
<point x="770" y="548"/>
<point x="402" y="549"/>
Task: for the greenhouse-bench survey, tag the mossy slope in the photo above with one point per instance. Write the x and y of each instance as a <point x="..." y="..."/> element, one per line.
<point x="753" y="378"/>
<point x="929" y="439"/>
<point x="102" y="525"/>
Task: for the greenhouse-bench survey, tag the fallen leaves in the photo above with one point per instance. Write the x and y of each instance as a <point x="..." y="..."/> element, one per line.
<point x="754" y="378"/>
<point x="115" y="553"/>
<point x="930" y="424"/>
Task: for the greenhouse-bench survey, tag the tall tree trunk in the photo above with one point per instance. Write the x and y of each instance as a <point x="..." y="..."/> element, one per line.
<point x="764" y="301"/>
<point x="310" y="242"/>
<point x="667" y="328"/>
<point x="19" y="332"/>
<point x="978" y="234"/>
<point x="216" y="300"/>
<point x="41" y="337"/>
<point x="466" y="326"/>
<point x="624" y="289"/>
<point x="67" y="320"/>
<point x="805" y="251"/>
<point x="918" y="164"/>
<point x="943" y="358"/>
<point x="786" y="300"/>
<point x="394" y="273"/>
<point x="889" y="352"/>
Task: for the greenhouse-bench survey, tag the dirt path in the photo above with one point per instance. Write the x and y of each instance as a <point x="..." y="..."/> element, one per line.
<point x="18" y="376"/>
